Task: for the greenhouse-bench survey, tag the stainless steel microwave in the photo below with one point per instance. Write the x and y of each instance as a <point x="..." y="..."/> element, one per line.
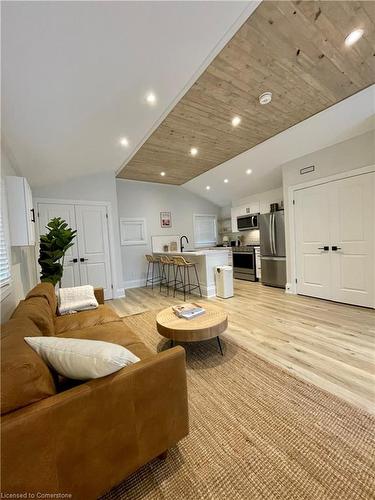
<point x="246" y="222"/>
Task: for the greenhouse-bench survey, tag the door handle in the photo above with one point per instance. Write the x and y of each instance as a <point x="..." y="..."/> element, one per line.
<point x="33" y="215"/>
<point x="73" y="260"/>
<point x="273" y="234"/>
<point x="335" y="248"/>
<point x="325" y="248"/>
<point x="270" y="233"/>
<point x="82" y="259"/>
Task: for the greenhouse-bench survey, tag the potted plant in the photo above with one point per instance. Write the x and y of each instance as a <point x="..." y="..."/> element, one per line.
<point x="53" y="246"/>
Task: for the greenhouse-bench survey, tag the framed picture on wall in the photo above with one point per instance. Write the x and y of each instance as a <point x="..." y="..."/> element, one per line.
<point x="165" y="219"/>
<point x="133" y="231"/>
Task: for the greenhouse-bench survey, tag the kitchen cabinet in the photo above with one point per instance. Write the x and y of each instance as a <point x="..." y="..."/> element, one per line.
<point x="250" y="208"/>
<point x="230" y="258"/>
<point x="206" y="261"/>
<point x="21" y="212"/>
<point x="258" y="264"/>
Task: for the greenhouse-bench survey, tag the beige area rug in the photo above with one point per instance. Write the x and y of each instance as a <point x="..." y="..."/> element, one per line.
<point x="256" y="432"/>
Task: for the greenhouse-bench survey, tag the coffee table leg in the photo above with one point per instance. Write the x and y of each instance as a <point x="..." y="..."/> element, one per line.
<point x="218" y="341"/>
<point x="171" y="343"/>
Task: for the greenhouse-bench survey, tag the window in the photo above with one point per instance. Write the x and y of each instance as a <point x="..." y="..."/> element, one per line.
<point x="205" y="233"/>
<point x="4" y="248"/>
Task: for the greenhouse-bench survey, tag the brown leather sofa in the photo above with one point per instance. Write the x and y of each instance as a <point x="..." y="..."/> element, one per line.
<point x="83" y="439"/>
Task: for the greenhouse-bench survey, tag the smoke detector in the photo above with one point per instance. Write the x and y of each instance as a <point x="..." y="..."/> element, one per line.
<point x="265" y="98"/>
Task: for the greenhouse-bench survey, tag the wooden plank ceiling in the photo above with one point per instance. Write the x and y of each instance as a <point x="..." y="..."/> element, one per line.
<point x="295" y="50"/>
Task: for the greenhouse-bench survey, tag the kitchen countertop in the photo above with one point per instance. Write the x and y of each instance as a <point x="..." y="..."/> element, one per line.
<point x="207" y="251"/>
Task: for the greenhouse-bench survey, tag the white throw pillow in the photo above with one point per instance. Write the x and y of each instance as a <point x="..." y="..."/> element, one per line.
<point x="81" y="359"/>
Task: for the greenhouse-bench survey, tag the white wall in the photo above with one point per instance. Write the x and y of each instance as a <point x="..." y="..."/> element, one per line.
<point x="97" y="187"/>
<point x="344" y="156"/>
<point x="147" y="200"/>
<point x="353" y="153"/>
<point x="23" y="266"/>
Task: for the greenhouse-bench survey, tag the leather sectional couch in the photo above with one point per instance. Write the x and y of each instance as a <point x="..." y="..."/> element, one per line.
<point x="81" y="439"/>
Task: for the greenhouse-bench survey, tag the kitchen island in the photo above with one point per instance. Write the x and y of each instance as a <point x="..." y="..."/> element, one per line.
<point x="206" y="261"/>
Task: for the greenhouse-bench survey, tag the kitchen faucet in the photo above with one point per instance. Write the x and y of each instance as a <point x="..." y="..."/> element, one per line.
<point x="181" y="245"/>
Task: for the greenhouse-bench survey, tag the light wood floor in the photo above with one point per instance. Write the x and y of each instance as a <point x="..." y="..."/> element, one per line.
<point x="331" y="345"/>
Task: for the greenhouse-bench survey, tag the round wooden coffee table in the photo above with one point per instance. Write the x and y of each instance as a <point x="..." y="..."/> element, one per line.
<point x="207" y="326"/>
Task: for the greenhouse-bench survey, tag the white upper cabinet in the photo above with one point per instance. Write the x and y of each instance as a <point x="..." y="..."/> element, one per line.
<point x="250" y="208"/>
<point x="21" y="213"/>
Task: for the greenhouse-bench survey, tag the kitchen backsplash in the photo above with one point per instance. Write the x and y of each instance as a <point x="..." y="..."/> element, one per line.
<point x="250" y="237"/>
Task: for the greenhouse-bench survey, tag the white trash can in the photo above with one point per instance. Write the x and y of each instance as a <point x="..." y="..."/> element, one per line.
<point x="224" y="281"/>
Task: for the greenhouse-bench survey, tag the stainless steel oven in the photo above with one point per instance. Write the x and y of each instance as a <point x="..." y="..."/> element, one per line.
<point x="244" y="263"/>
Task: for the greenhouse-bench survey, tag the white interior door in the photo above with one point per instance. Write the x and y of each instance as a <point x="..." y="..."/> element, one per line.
<point x="93" y="245"/>
<point x="46" y="212"/>
<point x="312" y="207"/>
<point x="352" y="233"/>
<point x="335" y="254"/>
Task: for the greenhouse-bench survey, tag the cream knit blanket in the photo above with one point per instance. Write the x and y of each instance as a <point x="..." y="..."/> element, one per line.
<point x="78" y="298"/>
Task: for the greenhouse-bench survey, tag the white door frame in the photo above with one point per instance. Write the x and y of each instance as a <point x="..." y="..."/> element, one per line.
<point x="116" y="291"/>
<point x="291" y="287"/>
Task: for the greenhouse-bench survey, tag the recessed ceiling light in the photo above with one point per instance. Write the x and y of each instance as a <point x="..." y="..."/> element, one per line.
<point x="353" y="37"/>
<point x="162" y="174"/>
<point x="226" y="181"/>
<point x="194" y="151"/>
<point x="124" y="142"/>
<point x="151" y="98"/>
<point x="236" y="121"/>
<point x="265" y="98"/>
<point x="248" y="171"/>
<point x="208" y="188"/>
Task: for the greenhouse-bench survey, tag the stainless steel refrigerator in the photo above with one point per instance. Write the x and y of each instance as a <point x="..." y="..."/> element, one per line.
<point x="272" y="248"/>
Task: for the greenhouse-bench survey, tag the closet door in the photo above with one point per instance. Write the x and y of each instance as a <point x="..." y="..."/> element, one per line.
<point x="312" y="233"/>
<point x="93" y="245"/>
<point x="352" y="237"/>
<point x="335" y="254"/>
<point x="46" y="212"/>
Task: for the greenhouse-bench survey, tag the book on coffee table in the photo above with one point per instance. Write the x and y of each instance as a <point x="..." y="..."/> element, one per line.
<point x="188" y="311"/>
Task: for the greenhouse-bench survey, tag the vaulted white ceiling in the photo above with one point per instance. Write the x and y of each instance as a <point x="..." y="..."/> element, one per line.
<point x="75" y="76"/>
<point x="349" y="118"/>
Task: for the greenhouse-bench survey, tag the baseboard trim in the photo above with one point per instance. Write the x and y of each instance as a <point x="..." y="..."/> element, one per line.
<point x="134" y="283"/>
<point x="208" y="291"/>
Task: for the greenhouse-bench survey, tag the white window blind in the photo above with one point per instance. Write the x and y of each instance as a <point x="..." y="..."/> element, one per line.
<point x="4" y="254"/>
<point x="205" y="233"/>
